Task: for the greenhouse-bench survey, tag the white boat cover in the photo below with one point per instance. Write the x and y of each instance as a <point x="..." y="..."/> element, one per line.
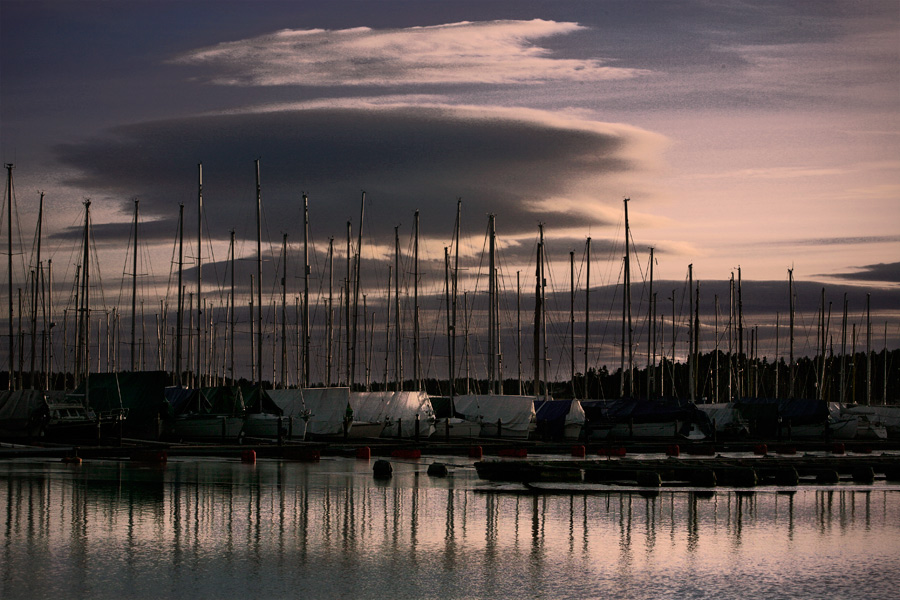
<point x="886" y="415"/>
<point x="327" y="407"/>
<point x="392" y="408"/>
<point x="724" y="414"/>
<point x="576" y="414"/>
<point x="515" y="412"/>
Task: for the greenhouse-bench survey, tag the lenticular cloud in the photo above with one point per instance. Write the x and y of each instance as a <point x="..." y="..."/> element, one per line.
<point x="487" y="52"/>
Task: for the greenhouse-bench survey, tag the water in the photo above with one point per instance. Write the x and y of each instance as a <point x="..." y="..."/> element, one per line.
<point x="221" y="529"/>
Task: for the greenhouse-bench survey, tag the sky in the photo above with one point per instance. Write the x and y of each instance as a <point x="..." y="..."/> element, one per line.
<point x="749" y="134"/>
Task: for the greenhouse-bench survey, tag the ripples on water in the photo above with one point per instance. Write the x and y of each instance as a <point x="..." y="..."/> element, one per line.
<point x="221" y="529"/>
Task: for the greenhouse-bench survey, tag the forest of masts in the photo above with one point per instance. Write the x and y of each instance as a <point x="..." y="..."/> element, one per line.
<point x="197" y="341"/>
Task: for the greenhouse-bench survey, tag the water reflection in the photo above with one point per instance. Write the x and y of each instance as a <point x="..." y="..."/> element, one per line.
<point x="278" y="529"/>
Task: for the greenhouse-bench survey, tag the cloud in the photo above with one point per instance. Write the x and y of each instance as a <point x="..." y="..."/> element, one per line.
<point x="406" y="157"/>
<point x="495" y="52"/>
<point x="889" y="272"/>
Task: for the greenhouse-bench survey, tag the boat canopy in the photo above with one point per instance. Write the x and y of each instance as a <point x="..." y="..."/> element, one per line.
<point x="515" y="412"/>
<point x="393" y="408"/>
<point x="327" y="407"/>
<point x="553" y="416"/>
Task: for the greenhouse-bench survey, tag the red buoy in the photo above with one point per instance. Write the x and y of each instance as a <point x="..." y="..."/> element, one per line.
<point x="475" y="452"/>
<point x="248" y="456"/>
<point x="673" y="450"/>
<point x="364" y="453"/>
<point x="578" y="451"/>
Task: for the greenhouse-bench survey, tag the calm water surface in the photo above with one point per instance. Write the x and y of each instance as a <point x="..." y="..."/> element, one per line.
<point x="221" y="529"/>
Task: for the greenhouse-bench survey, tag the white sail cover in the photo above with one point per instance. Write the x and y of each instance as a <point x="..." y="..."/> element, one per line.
<point x="392" y="408"/>
<point x="515" y="412"/>
<point x="327" y="407"/>
<point x="576" y="414"/>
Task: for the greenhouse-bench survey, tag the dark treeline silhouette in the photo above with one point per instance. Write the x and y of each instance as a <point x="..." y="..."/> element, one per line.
<point x="739" y="377"/>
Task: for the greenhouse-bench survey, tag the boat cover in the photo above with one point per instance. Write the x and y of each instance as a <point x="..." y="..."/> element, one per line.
<point x="516" y="412"/>
<point x="725" y="415"/>
<point x="395" y="407"/>
<point x="259" y="400"/>
<point x="327" y="407"/>
<point x="553" y="416"/>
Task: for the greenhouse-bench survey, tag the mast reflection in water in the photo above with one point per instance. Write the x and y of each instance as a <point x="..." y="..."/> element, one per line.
<point x="222" y="529"/>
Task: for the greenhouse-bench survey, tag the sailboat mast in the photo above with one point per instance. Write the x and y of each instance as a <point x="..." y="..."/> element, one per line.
<point x="651" y="345"/>
<point x="626" y="295"/>
<point x="200" y="274"/>
<point x="85" y="298"/>
<point x="572" y="319"/>
<point x="868" y="349"/>
<point x="587" y="312"/>
<point x="329" y="336"/>
<point x="691" y="359"/>
<point x="35" y="295"/>
<point x="137" y="204"/>
<point x="844" y="352"/>
<point x="449" y="326"/>
<point x="398" y="355"/>
<point x="179" y="320"/>
<point x="519" y="329"/>
<point x="791" y="330"/>
<point x="538" y="314"/>
<point x="359" y="236"/>
<point x="231" y="315"/>
<point x="454" y="294"/>
<point x="284" y="311"/>
<point x="492" y="290"/>
<point x="9" y="255"/>
<point x="259" y="309"/>
<point x="347" y="309"/>
<point x="416" y="375"/>
<point x="304" y="382"/>
<point x="546" y="358"/>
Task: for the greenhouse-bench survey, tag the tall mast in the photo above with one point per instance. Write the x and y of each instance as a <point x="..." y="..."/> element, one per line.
<point x="35" y="295"/>
<point x="49" y="326"/>
<point x="398" y="356"/>
<point x="842" y="396"/>
<point x="454" y="296"/>
<point x="9" y="255"/>
<point x="626" y="295"/>
<point x="259" y="349"/>
<point x="284" y="311"/>
<point x="362" y="213"/>
<point x="137" y="204"/>
<point x="329" y="336"/>
<point x="200" y="274"/>
<point x="587" y="313"/>
<point x="449" y="326"/>
<point x="492" y="290"/>
<point x="572" y="318"/>
<point x="179" y="320"/>
<point x="347" y="309"/>
<point x="868" y="349"/>
<point x="416" y="375"/>
<point x="519" y="329"/>
<point x="791" y="302"/>
<point x="546" y="359"/>
<point x="231" y="315"/>
<point x="304" y="382"/>
<point x="691" y="350"/>
<point x="651" y="343"/>
<point x="538" y="315"/>
<point x="86" y="300"/>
